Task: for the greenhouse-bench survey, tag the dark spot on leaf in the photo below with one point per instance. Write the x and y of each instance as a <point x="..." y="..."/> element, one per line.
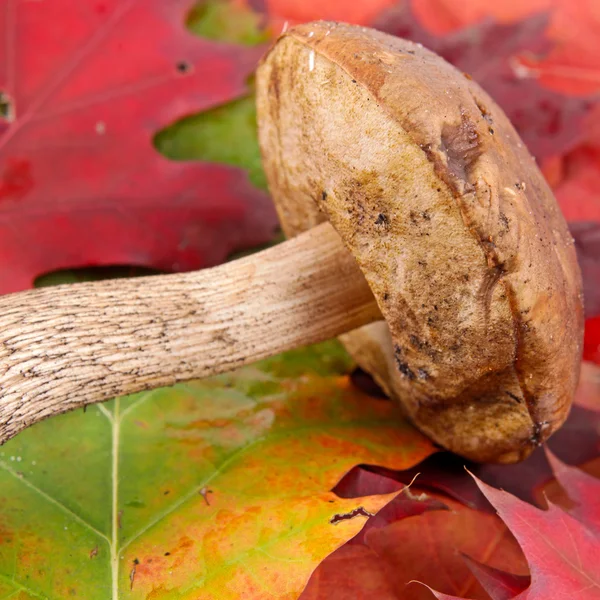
<point x="324" y="195"/>
<point x="183" y="67"/>
<point x="360" y="511"/>
<point x="204" y="493"/>
<point x="136" y="562"/>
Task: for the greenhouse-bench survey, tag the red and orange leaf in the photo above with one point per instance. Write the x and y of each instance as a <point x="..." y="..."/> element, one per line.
<point x="218" y="489"/>
<point x="295" y="11"/>
<point x="84" y="87"/>
<point x="425" y="547"/>
<point x="573" y="66"/>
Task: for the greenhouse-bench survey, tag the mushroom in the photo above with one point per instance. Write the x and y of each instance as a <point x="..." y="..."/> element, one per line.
<point x="409" y="197"/>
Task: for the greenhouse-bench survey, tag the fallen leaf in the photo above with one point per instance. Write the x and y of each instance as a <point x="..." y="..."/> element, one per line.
<point x="499" y="585"/>
<point x="562" y="552"/>
<point x="573" y="66"/>
<point x="582" y="489"/>
<point x="80" y="181"/>
<point x="293" y="11"/>
<point x="587" y="242"/>
<point x="588" y="392"/>
<point x="416" y="545"/>
<point x="211" y="489"/>
<point x="577" y="192"/>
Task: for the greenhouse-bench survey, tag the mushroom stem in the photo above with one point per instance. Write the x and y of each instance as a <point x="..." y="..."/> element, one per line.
<point x="73" y="345"/>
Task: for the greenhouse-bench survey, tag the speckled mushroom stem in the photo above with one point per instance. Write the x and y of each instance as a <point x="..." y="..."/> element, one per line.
<point x="73" y="345"/>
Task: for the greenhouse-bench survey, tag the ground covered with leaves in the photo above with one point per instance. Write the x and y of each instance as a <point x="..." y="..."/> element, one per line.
<point x="128" y="144"/>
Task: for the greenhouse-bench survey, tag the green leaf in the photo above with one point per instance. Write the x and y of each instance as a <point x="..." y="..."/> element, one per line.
<point x="211" y="489"/>
<point x="226" y="21"/>
<point x="226" y="134"/>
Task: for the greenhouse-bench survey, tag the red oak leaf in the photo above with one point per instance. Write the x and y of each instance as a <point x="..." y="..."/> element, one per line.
<point x="84" y="88"/>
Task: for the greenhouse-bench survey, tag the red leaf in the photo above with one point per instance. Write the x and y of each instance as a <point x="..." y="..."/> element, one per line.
<point x="588" y="392"/>
<point x="549" y="123"/>
<point x="562" y="553"/>
<point x="335" y="10"/>
<point x="498" y="584"/>
<point x="582" y="488"/>
<point x="577" y="193"/>
<point x="587" y="242"/>
<point x="440" y="595"/>
<point x="573" y="66"/>
<point x="86" y="85"/>
<point x="591" y="344"/>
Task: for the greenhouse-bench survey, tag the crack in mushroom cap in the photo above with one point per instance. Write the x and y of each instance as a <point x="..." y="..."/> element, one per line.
<point x="450" y="220"/>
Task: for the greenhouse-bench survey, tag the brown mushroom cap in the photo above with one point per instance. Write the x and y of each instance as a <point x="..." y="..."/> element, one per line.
<point x="451" y="221"/>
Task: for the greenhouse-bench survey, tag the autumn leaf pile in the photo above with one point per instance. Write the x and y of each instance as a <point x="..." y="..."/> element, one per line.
<point x="127" y="137"/>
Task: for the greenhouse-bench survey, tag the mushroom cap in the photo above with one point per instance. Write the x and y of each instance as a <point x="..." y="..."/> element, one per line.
<point x="450" y="220"/>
